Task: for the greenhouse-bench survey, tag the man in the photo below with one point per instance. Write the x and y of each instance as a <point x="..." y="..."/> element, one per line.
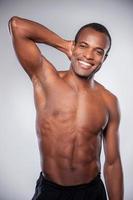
<point x="74" y="113"/>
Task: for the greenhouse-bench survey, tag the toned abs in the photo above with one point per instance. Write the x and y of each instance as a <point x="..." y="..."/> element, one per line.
<point x="69" y="128"/>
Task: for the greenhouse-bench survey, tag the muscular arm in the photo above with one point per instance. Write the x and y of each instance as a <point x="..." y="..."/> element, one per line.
<point x="113" y="168"/>
<point x="25" y="35"/>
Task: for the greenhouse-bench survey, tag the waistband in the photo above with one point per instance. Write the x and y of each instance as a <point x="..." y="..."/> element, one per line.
<point x="79" y="186"/>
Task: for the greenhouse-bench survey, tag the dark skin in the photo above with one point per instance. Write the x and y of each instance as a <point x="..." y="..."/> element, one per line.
<point x="73" y="111"/>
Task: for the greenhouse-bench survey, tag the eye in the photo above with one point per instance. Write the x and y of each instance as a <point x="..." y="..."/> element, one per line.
<point x="99" y="52"/>
<point x="82" y="45"/>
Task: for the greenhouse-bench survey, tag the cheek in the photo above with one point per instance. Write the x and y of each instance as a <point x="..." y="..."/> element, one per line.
<point x="99" y="59"/>
<point x="77" y="52"/>
<point x="75" y="55"/>
<point x="72" y="59"/>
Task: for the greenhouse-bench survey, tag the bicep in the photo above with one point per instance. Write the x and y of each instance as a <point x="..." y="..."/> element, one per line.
<point x="111" y="134"/>
<point x="111" y="145"/>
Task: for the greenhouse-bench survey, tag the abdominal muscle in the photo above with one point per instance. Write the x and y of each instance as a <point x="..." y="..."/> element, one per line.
<point x="69" y="153"/>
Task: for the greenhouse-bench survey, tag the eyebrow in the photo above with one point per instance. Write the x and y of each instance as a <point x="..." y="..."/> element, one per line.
<point x="100" y="48"/>
<point x="84" y="43"/>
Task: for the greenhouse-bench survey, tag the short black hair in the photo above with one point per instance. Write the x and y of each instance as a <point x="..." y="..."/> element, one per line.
<point x="97" y="27"/>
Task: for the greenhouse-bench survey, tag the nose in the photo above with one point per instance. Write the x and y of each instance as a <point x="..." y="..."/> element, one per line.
<point x="88" y="54"/>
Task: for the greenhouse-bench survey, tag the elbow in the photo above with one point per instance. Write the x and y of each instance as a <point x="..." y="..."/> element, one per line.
<point x="14" y="24"/>
<point x="113" y="162"/>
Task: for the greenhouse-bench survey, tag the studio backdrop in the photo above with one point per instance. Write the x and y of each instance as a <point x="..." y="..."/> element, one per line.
<point x="19" y="154"/>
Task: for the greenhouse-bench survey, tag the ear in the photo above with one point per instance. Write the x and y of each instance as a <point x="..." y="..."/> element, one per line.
<point x="106" y="55"/>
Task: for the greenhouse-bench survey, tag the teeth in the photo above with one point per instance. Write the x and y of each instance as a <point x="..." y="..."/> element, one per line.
<point x="85" y="63"/>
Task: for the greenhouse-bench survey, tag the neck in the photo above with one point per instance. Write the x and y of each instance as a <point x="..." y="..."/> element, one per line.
<point x="78" y="82"/>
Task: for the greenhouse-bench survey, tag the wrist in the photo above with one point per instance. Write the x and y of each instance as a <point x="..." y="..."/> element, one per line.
<point x="68" y="48"/>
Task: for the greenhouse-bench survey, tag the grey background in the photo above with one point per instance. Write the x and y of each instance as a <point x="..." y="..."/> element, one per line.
<point x="19" y="155"/>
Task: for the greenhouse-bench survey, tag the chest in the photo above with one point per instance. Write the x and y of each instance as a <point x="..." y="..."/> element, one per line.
<point x="84" y="110"/>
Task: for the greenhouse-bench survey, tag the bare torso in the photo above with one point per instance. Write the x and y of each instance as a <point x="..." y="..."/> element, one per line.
<point x="69" y="128"/>
<point x="73" y="111"/>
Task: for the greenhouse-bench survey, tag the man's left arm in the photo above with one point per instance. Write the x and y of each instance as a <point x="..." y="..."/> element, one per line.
<point x="112" y="168"/>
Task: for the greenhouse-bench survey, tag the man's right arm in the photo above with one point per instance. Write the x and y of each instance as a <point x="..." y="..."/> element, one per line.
<point x="25" y="35"/>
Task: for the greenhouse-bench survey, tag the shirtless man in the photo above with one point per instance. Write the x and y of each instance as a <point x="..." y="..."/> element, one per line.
<point x="74" y="113"/>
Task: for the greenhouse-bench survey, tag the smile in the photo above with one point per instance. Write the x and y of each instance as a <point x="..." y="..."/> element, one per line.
<point x="86" y="64"/>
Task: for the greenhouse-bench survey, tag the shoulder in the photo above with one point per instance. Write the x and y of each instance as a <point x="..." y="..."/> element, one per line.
<point x="111" y="100"/>
<point x="107" y="95"/>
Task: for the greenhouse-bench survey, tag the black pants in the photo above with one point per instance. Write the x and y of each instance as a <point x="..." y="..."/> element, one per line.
<point x="47" y="190"/>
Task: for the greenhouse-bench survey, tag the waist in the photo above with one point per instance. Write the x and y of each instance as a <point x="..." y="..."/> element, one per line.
<point x="52" y="184"/>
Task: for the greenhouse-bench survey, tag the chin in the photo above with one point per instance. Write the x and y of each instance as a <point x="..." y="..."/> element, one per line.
<point x="82" y="75"/>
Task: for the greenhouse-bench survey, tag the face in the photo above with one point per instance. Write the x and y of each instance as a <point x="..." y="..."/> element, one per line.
<point x="89" y="52"/>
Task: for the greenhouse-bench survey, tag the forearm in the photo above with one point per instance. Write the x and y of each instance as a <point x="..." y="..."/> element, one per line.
<point x="37" y="33"/>
<point x="114" y="180"/>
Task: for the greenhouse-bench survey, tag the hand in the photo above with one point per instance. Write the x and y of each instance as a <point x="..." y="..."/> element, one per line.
<point x="69" y="48"/>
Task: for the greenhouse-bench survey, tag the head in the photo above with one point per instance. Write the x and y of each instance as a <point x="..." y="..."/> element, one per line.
<point x="90" y="49"/>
